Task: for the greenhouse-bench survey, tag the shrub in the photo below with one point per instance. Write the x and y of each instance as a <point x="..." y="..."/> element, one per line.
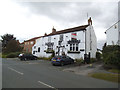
<point x="98" y="55"/>
<point x="79" y="60"/>
<point x="113" y="58"/>
<point x="3" y="56"/>
<point x="13" y="55"/>
<point x="92" y="60"/>
<point x="111" y="55"/>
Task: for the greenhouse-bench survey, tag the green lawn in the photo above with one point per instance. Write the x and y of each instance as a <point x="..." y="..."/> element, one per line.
<point x="106" y="76"/>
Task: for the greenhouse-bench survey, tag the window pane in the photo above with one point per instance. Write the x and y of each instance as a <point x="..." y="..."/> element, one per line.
<point x="76" y="47"/>
<point x="73" y="47"/>
<point x="39" y="49"/>
<point x="31" y="42"/>
<point x="70" y="47"/>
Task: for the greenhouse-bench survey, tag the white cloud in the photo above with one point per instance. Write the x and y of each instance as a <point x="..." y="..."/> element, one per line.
<point x="19" y="21"/>
<point x="27" y="20"/>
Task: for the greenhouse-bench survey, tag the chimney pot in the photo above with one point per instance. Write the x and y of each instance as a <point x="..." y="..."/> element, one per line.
<point x="89" y="21"/>
<point x="53" y="30"/>
<point x="45" y="34"/>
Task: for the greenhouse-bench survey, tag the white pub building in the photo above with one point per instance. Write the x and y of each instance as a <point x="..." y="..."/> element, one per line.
<point x="74" y="42"/>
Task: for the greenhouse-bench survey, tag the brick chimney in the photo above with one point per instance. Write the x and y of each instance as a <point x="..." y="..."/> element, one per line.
<point x="45" y="34"/>
<point x="89" y="21"/>
<point x="18" y="42"/>
<point x="53" y="30"/>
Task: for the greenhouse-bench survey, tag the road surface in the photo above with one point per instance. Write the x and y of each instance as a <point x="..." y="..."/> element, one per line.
<point x="41" y="74"/>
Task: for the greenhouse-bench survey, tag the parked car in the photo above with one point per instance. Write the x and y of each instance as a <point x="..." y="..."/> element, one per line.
<point x="62" y="60"/>
<point x="27" y="57"/>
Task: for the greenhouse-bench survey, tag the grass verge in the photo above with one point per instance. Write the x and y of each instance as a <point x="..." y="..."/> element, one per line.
<point x="114" y="71"/>
<point x="1" y="55"/>
<point x="106" y="76"/>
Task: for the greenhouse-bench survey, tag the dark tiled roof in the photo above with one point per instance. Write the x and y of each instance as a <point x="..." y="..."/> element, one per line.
<point x="32" y="39"/>
<point x="79" y="28"/>
<point x="22" y="43"/>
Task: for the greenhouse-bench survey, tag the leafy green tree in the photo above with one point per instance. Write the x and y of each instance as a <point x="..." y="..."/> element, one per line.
<point x="12" y="46"/>
<point x="6" y="38"/>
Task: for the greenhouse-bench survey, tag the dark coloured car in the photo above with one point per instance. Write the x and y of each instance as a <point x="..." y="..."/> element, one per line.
<point x="27" y="57"/>
<point x="61" y="60"/>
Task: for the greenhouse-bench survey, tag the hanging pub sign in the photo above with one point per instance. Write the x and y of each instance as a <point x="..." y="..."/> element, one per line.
<point x="73" y="36"/>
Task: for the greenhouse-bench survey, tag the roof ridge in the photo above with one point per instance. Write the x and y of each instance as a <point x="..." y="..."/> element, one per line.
<point x="78" y="28"/>
<point x="112" y="25"/>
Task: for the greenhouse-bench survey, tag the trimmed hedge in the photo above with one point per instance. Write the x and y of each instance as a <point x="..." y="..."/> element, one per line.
<point x="11" y="55"/>
<point x="111" y="55"/>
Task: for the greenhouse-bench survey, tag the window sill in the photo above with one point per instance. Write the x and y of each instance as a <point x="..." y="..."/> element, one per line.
<point x="48" y="51"/>
<point x="73" y="51"/>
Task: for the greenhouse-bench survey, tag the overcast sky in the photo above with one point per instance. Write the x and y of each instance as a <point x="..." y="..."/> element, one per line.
<point x="31" y="19"/>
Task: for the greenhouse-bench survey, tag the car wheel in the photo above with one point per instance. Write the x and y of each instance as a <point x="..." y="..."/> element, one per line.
<point x="25" y="59"/>
<point x="72" y="62"/>
<point x="62" y="63"/>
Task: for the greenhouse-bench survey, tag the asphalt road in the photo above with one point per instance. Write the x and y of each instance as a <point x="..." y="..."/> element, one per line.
<point x="41" y="74"/>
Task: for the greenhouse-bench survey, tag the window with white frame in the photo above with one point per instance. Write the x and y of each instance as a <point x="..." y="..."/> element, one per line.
<point x="31" y="42"/>
<point x="73" y="47"/>
<point x="25" y="43"/>
<point x="49" y="46"/>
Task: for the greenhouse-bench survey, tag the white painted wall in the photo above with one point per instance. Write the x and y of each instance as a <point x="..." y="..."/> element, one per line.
<point x="66" y="37"/>
<point x="91" y="42"/>
<point x="112" y="35"/>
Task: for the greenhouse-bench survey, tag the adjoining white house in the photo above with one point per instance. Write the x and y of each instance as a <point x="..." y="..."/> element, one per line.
<point x="74" y="42"/>
<point x="113" y="34"/>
